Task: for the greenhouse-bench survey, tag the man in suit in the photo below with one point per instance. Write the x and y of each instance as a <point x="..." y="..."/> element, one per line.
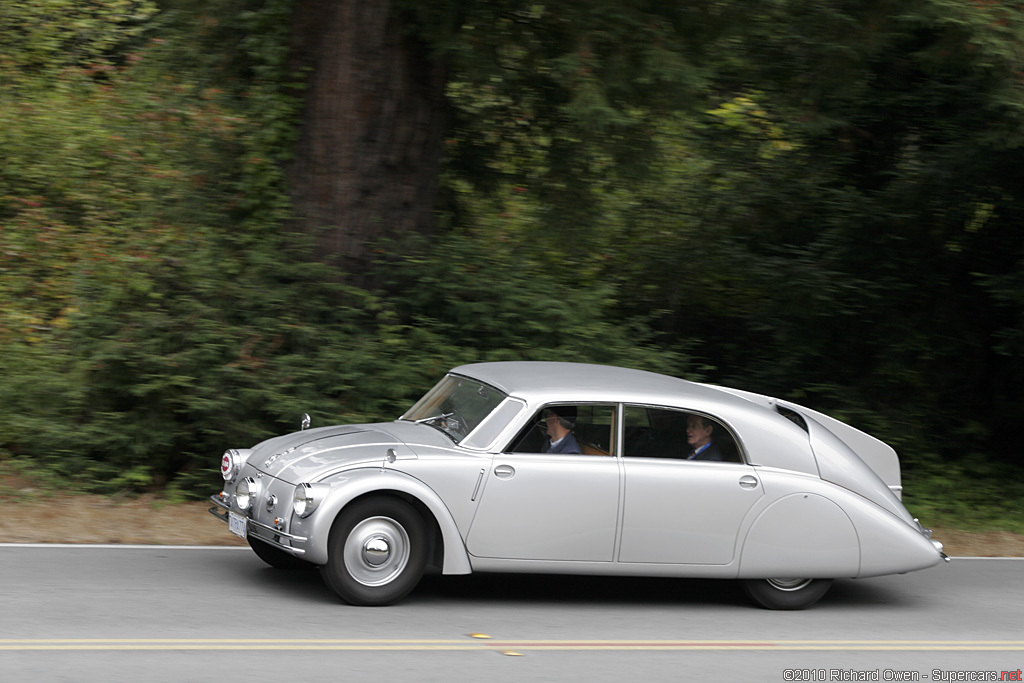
<point x="699" y="435"/>
<point x="558" y="422"/>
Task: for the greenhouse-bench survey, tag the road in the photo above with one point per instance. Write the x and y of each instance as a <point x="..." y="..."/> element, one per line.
<point x="116" y="613"/>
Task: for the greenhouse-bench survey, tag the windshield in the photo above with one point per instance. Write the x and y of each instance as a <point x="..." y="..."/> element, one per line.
<point x="455" y="406"/>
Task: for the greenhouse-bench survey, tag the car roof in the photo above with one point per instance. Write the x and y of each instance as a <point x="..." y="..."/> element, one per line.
<point x="769" y="437"/>
<point x="541" y="381"/>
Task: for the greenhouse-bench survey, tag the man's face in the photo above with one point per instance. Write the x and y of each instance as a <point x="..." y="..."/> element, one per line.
<point x="697" y="434"/>
<point x="553" y="428"/>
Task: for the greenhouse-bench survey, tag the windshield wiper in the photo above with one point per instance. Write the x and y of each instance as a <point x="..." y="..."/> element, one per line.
<point x="443" y="416"/>
<point x="434" y="417"/>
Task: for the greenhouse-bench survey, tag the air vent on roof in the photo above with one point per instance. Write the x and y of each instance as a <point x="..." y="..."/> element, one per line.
<point x="793" y="416"/>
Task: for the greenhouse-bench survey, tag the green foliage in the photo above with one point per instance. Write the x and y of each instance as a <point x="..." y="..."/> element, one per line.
<point x="156" y="311"/>
<point x="107" y="190"/>
<point x="973" y="494"/>
<point x="561" y="99"/>
<point x="46" y="35"/>
<point x="814" y="200"/>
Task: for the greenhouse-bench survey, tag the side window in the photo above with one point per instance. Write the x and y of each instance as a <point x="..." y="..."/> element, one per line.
<point x="569" y="428"/>
<point x="665" y="433"/>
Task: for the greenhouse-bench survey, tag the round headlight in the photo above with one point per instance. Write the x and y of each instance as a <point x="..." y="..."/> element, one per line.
<point x="308" y="496"/>
<point x="230" y="463"/>
<point x="303" y="501"/>
<point x="246" y="492"/>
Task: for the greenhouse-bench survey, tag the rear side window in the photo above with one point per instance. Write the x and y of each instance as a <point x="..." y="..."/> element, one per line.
<point x="651" y="432"/>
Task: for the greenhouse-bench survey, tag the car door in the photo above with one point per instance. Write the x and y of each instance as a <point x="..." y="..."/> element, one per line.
<point x="679" y="511"/>
<point x="550" y="506"/>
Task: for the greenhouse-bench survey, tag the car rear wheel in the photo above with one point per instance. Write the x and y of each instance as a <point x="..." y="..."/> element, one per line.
<point x="276" y="557"/>
<point x="786" y="593"/>
<point x="376" y="552"/>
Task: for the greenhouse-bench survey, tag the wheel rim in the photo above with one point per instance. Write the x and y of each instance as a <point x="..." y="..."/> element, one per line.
<point x="789" y="584"/>
<point x="376" y="551"/>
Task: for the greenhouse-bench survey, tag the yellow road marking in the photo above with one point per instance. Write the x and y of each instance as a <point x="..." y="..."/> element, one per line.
<point x="502" y="646"/>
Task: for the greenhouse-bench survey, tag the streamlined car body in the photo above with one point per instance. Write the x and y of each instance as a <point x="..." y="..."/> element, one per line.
<point x="579" y="469"/>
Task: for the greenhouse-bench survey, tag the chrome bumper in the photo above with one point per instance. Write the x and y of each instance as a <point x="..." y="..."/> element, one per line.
<point x="927" y="533"/>
<point x="276" y="535"/>
<point x="219" y="505"/>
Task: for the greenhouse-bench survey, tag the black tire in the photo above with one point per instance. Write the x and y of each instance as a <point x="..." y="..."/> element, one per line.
<point x="786" y="593"/>
<point x="376" y="552"/>
<point x="276" y="557"/>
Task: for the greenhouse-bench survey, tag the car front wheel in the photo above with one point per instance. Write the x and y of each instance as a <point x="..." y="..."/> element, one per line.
<point x="786" y="593"/>
<point x="376" y="552"/>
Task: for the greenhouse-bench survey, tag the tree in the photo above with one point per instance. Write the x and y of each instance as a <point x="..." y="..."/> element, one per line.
<point x="368" y="153"/>
<point x="568" y="89"/>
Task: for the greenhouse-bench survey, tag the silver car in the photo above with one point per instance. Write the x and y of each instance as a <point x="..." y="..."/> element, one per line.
<point x="579" y="469"/>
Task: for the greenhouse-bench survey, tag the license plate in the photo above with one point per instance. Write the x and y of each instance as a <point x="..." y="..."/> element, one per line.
<point x="236" y="524"/>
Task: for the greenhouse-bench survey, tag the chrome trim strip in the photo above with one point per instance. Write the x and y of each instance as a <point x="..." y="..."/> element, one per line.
<point x="278" y="544"/>
<point x="276" y="532"/>
<point x="476" y="489"/>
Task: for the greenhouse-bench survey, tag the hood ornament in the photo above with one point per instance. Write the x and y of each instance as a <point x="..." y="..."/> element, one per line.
<point x="305" y="421"/>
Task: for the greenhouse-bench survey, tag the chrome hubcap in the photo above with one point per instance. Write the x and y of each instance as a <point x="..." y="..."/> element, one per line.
<point x="376" y="551"/>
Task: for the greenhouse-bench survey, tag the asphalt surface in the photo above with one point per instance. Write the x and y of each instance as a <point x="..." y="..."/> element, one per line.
<point x="116" y="613"/>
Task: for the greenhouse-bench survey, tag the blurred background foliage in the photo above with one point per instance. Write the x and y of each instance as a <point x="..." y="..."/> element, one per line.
<point x="818" y="200"/>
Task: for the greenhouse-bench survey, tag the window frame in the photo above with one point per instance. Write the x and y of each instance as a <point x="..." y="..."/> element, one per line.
<point x="614" y="431"/>
<point x="740" y="451"/>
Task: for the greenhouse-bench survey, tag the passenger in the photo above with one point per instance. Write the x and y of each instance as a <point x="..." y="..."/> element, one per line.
<point x="558" y="423"/>
<point x="699" y="433"/>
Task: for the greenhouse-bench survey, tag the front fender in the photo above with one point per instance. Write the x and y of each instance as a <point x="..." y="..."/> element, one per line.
<point x="351" y="484"/>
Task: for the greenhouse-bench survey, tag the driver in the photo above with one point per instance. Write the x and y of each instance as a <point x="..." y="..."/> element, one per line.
<point x="557" y="423"/>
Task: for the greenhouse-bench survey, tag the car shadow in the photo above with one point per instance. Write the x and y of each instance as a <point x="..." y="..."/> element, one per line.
<point x="519" y="589"/>
<point x="860" y="593"/>
<point x="297" y="584"/>
<point x="844" y="594"/>
<point x="576" y="590"/>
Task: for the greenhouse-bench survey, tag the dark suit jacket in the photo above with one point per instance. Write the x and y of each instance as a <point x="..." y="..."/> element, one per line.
<point x="566" y="445"/>
<point x="712" y="452"/>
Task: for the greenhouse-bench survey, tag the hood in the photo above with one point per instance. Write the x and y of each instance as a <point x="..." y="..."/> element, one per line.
<point x="306" y="455"/>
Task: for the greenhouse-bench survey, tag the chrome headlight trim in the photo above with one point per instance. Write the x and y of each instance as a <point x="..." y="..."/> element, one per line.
<point x="307" y="497"/>
<point x="246" y="492"/>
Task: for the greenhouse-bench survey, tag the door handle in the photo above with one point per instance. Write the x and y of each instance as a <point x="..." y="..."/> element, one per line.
<point x="748" y="481"/>
<point x="504" y="471"/>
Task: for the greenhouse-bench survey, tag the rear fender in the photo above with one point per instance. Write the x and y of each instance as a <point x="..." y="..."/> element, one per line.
<point x="889" y="545"/>
<point x="801" y="534"/>
<point x="816" y="529"/>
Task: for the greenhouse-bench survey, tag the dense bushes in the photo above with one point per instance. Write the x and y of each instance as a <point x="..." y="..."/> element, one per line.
<point x="792" y="198"/>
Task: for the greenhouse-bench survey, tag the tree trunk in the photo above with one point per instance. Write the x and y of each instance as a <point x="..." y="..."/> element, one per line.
<point x="368" y="153"/>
